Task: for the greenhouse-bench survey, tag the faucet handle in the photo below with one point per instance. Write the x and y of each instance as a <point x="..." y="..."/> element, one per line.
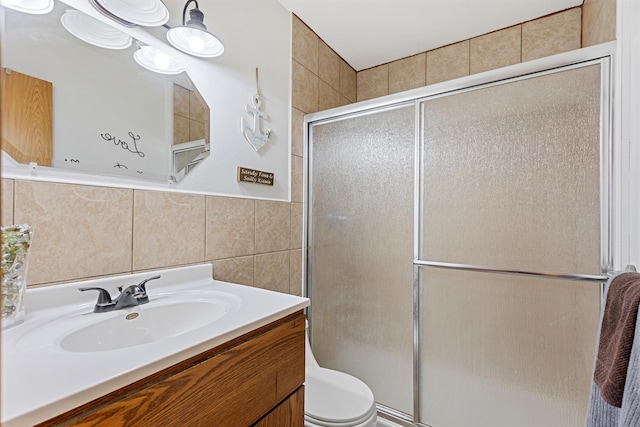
<point x="104" y="302"/>
<point x="140" y="287"/>
<point x="103" y="295"/>
<point x="144" y="282"/>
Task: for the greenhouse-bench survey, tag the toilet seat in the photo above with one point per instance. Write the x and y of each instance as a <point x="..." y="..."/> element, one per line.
<point x="335" y="399"/>
<point x="369" y="422"/>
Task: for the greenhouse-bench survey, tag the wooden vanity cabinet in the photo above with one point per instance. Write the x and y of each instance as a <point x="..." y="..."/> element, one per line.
<point x="253" y="380"/>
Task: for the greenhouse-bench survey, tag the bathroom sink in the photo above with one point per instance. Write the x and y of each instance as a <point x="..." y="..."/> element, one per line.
<point x="64" y="355"/>
<point x="143" y="326"/>
<point x="164" y="317"/>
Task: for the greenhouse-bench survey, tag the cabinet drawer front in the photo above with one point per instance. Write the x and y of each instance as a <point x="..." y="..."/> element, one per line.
<point x="235" y="387"/>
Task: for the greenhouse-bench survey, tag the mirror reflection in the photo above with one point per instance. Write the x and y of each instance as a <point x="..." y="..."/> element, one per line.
<point x="95" y="109"/>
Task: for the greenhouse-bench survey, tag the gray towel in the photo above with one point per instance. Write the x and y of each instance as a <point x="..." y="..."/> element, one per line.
<point x="600" y="413"/>
<point x="617" y="333"/>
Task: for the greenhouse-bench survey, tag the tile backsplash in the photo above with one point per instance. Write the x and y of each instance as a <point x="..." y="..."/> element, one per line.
<point x="84" y="231"/>
<point x="79" y="231"/>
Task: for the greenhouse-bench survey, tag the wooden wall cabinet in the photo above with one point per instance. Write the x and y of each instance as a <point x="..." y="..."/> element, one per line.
<point x="253" y="380"/>
<point x="27" y="117"/>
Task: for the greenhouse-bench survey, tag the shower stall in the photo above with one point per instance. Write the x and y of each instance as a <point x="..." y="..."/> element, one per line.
<point x="458" y="238"/>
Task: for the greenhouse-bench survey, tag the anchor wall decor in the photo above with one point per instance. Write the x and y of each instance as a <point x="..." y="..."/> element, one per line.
<point x="253" y="131"/>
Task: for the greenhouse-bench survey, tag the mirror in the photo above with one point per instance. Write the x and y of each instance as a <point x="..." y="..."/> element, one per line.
<point x="109" y="114"/>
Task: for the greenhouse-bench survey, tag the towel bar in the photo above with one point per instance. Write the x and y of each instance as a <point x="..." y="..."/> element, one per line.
<point x="542" y="274"/>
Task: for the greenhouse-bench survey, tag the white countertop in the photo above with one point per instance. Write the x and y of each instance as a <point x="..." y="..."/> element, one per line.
<point x="48" y="380"/>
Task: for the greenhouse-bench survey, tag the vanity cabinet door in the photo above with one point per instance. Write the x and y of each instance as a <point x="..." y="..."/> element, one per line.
<point x="231" y="385"/>
<point x="289" y="413"/>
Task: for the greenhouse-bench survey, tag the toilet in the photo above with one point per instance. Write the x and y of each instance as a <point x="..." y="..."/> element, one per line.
<point x="335" y="399"/>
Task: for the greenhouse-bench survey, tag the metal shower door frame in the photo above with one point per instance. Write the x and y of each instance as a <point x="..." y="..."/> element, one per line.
<point x="603" y="54"/>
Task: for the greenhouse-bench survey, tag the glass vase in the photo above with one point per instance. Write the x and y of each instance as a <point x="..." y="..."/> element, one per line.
<point x="16" y="242"/>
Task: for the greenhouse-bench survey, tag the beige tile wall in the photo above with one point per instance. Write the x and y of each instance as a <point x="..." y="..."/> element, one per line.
<point x="190" y="116"/>
<point x="553" y="34"/>
<point x="571" y="29"/>
<point x="321" y="79"/>
<point x="598" y="21"/>
<point x="85" y="231"/>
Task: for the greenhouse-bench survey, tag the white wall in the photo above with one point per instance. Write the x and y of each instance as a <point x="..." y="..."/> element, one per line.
<point x="628" y="159"/>
<point x="255" y="34"/>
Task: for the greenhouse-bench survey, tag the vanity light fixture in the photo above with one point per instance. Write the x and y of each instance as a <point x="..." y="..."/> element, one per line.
<point x="192" y="37"/>
<point x="93" y="31"/>
<point x="147" y="13"/>
<point x="157" y="61"/>
<point x="35" y="7"/>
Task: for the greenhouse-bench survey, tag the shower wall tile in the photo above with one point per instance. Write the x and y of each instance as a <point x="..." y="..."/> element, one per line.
<point x="273" y="226"/>
<point x="295" y="274"/>
<point x="598" y="22"/>
<point x="230" y="227"/>
<point x="552" y="34"/>
<point x="197" y="130"/>
<point x="80" y="231"/>
<point x="181" y="101"/>
<point x="545" y="36"/>
<point x="297" y="132"/>
<point x="447" y="63"/>
<point x="305" y="88"/>
<point x="7" y="202"/>
<point x="297" y="220"/>
<point x="496" y="50"/>
<point x="329" y="97"/>
<point x="181" y="129"/>
<point x="297" y="179"/>
<point x="235" y="270"/>
<point x="407" y="73"/>
<point x="305" y="45"/>
<point x="191" y="116"/>
<point x="373" y="82"/>
<point x="168" y="229"/>
<point x="198" y="109"/>
<point x="328" y="65"/>
<point x="348" y="81"/>
<point x="321" y="79"/>
<point x="272" y="271"/>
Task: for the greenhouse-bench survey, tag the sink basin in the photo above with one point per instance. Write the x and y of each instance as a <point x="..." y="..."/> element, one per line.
<point x="165" y="317"/>
<point x="143" y="326"/>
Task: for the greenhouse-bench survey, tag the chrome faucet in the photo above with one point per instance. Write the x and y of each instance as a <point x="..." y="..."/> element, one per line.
<point x="131" y="296"/>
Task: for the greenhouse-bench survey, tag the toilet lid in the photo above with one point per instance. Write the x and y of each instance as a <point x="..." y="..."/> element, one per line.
<point x="335" y="396"/>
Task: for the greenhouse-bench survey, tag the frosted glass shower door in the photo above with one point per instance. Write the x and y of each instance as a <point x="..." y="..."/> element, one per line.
<point x="511" y="180"/>
<point x="361" y="249"/>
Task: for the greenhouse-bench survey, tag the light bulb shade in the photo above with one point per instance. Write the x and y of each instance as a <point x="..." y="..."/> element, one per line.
<point x="157" y="61"/>
<point x="148" y="13"/>
<point x="93" y="31"/>
<point x="195" y="41"/>
<point x="35" y="7"/>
